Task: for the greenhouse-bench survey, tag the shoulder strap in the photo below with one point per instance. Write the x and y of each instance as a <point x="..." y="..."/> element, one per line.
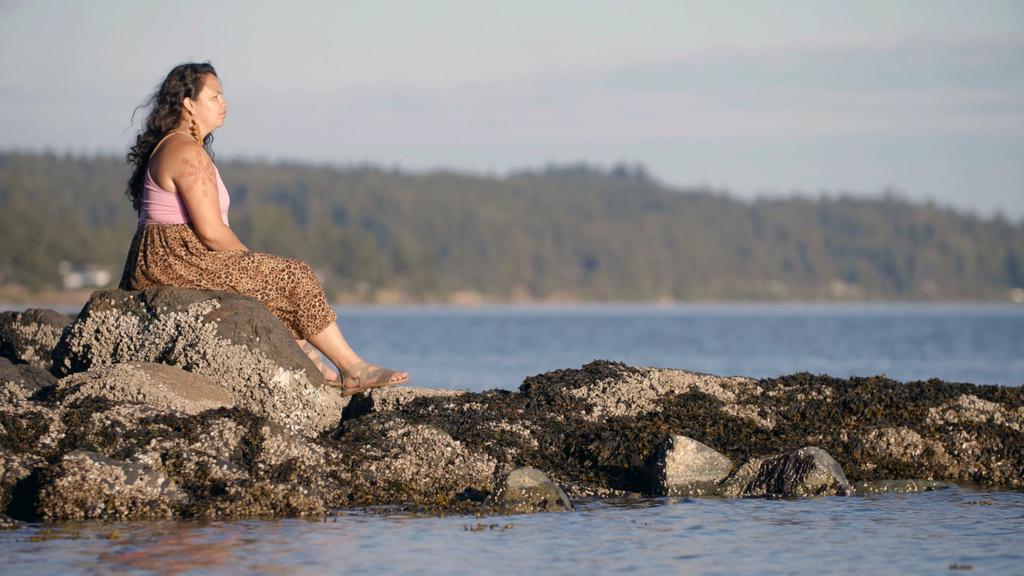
<point x="166" y="136"/>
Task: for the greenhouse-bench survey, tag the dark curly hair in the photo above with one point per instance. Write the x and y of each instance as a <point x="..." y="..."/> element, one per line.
<point x="184" y="81"/>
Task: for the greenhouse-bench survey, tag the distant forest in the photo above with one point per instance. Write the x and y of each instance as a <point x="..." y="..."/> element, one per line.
<point x="561" y="233"/>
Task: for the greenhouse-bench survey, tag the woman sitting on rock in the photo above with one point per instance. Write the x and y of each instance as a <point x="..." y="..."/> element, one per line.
<point x="184" y="239"/>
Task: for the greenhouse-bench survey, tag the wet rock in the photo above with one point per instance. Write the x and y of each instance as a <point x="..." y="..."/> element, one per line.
<point x="208" y="462"/>
<point x="286" y="476"/>
<point x="393" y="461"/>
<point x="219" y="452"/>
<point x="688" y="468"/>
<point x="29" y="337"/>
<point x="492" y="423"/>
<point x="808" y="471"/>
<point x="157" y="385"/>
<point x="7" y="523"/>
<point x="118" y="430"/>
<point x="261" y="499"/>
<point x="232" y="463"/>
<point x="735" y="485"/>
<point x="231" y="339"/>
<point x="899" y="486"/>
<point x="530" y="490"/>
<point x="14" y="468"/>
<point x="85" y="485"/>
<point x="28" y="427"/>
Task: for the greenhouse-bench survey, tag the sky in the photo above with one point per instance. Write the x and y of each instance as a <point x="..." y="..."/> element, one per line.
<point x="924" y="99"/>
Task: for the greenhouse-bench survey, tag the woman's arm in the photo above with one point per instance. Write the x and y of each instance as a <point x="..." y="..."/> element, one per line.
<point x="196" y="182"/>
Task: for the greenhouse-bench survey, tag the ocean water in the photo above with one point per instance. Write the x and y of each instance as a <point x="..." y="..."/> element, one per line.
<point x="483" y="348"/>
<point x="943" y="532"/>
<point x="948" y="531"/>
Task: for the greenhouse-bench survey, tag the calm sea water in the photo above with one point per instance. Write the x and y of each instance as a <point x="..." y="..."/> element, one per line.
<point x="890" y="534"/>
<point x="479" y="349"/>
<point x="949" y="531"/>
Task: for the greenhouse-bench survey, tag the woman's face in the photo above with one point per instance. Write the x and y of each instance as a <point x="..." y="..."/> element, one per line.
<point x="210" y="108"/>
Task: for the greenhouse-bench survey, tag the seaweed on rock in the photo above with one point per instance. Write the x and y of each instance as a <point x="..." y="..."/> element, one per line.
<point x="87" y="448"/>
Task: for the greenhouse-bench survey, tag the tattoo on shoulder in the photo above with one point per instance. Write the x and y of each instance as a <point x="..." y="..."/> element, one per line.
<point x="200" y="171"/>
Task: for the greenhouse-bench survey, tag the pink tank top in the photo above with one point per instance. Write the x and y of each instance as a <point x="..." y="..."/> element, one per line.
<point x="162" y="207"/>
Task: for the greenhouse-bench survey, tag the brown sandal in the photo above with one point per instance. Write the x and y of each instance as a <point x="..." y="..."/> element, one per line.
<point x="366" y="376"/>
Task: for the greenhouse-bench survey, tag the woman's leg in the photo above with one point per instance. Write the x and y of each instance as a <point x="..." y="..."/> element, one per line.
<point x="331" y="342"/>
<point x="329" y="373"/>
<point x="292" y="292"/>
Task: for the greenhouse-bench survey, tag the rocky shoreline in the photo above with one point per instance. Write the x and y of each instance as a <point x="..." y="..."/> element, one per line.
<point x="172" y="403"/>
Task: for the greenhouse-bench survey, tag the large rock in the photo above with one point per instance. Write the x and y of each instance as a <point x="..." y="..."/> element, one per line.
<point x="530" y="490"/>
<point x="157" y="385"/>
<point x="231" y="339"/>
<point x="808" y="471"/>
<point x="451" y="452"/>
<point x="686" y="467"/>
<point x="88" y="486"/>
<point x="29" y="337"/>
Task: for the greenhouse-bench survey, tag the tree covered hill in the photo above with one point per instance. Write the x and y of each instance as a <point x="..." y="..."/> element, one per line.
<point x="568" y="233"/>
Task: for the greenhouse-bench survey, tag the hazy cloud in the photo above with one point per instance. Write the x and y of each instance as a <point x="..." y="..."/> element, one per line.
<point x="924" y="96"/>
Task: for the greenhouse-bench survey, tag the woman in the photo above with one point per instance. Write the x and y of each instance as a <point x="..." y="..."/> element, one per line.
<point x="184" y="239"/>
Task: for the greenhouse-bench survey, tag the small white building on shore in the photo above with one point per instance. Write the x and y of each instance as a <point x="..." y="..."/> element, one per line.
<point x="83" y="276"/>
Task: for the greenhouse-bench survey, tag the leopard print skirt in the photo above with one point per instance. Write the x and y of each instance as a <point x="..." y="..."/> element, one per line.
<point x="173" y="255"/>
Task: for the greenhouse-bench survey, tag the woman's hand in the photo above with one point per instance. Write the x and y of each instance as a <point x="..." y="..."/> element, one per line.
<point x="196" y="182"/>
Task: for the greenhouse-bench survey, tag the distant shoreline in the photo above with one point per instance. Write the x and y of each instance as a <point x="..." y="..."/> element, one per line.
<point x="72" y="300"/>
<point x="560" y="234"/>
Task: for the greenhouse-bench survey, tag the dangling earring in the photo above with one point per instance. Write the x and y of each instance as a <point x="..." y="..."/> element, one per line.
<point x="193" y="128"/>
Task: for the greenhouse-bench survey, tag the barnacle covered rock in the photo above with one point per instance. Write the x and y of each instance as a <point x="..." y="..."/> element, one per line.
<point x="232" y="340"/>
<point x="29" y="337"/>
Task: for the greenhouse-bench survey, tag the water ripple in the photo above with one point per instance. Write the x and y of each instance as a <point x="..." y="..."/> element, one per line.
<point x="883" y="534"/>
